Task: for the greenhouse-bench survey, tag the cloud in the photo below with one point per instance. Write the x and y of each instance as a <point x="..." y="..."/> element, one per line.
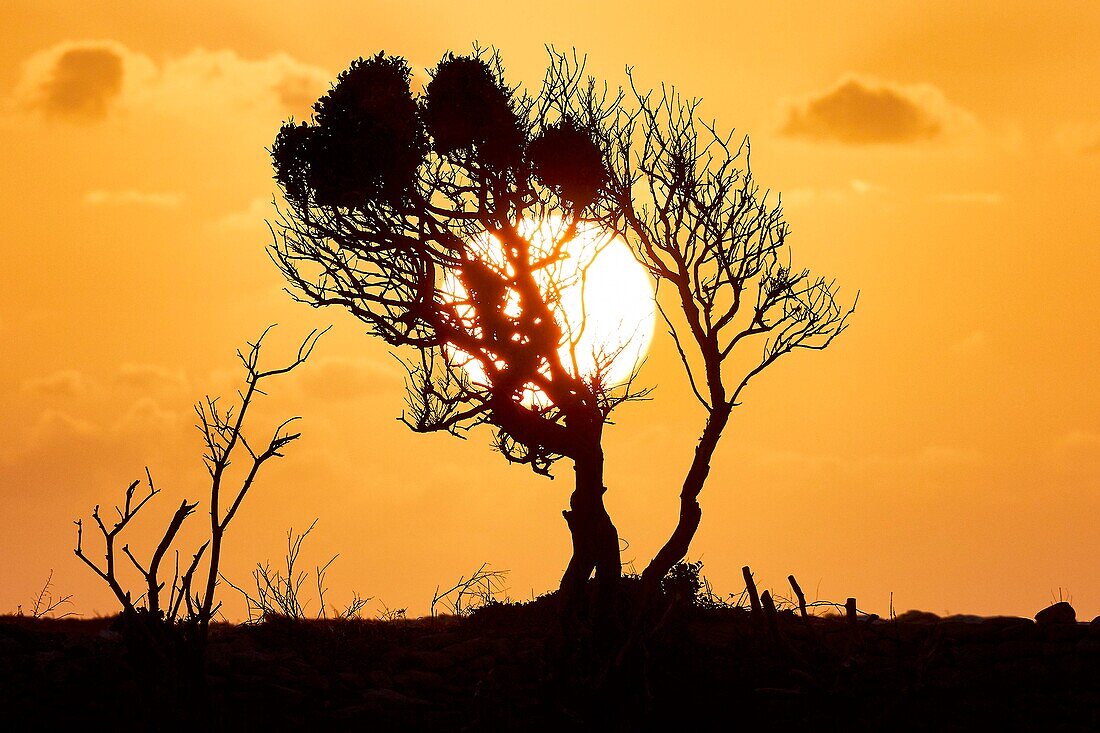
<point x="1077" y="440"/>
<point x="68" y="383"/>
<point x="146" y="417"/>
<point x="150" y="376"/>
<point x="939" y="456"/>
<point x="53" y="433"/>
<point x="78" y="82"/>
<point x="856" y="186"/>
<point x="809" y="462"/>
<point x="203" y="80"/>
<point x="1076" y="452"/>
<point x="972" y="343"/>
<point x="926" y="460"/>
<point x="60" y="433"/>
<point x="296" y="91"/>
<point x="989" y="198"/>
<point x="339" y="380"/>
<point x="91" y="80"/>
<point x="866" y="111"/>
<point x="252" y="218"/>
<point x="1078" y="138"/>
<point x="131" y="197"/>
<point x="53" y="423"/>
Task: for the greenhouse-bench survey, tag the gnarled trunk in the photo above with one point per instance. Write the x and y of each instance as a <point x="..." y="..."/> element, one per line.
<point x="678" y="543"/>
<point x="595" y="539"/>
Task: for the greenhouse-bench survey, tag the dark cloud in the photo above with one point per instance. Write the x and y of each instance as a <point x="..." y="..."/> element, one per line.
<point x="82" y="83"/>
<point x="860" y="113"/>
<point x="87" y="80"/>
<point x="297" y="92"/>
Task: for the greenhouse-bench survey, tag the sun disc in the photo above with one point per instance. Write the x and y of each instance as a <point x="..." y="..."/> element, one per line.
<point x="604" y="300"/>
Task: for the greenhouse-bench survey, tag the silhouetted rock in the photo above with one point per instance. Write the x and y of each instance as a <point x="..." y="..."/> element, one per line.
<point x="1096" y="621"/>
<point x="1058" y="613"/>
<point x="918" y="617"/>
<point x="1060" y="632"/>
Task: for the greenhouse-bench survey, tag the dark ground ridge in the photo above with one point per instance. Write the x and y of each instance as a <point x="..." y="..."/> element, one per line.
<point x="506" y="667"/>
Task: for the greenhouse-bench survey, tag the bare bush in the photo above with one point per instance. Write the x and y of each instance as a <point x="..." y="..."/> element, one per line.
<point x="45" y="602"/>
<point x="392" y="614"/>
<point x="482" y="588"/>
<point x="223" y="438"/>
<point x="280" y="594"/>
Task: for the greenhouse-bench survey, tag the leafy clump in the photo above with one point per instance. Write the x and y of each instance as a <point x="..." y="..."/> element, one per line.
<point x="684" y="583"/>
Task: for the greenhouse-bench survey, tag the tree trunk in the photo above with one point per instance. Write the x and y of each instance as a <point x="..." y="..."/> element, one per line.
<point x="595" y="539"/>
<point x="677" y="545"/>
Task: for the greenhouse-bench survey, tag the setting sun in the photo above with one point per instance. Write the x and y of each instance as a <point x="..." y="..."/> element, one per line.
<point x="601" y="297"/>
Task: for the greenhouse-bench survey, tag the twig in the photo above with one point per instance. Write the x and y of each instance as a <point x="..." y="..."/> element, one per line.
<point x="798" y="594"/>
<point x="750" y="586"/>
<point x="45" y="603"/>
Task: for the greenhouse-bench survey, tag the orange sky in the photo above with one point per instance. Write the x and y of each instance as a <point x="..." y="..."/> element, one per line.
<point x="941" y="158"/>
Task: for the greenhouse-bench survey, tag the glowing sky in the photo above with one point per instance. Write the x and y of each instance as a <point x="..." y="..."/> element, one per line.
<point x="943" y="158"/>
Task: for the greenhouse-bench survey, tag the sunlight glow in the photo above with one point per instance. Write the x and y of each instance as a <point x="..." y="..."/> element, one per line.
<point x="601" y="296"/>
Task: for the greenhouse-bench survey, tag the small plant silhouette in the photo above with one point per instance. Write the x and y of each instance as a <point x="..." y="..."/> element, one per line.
<point x="46" y="603"/>
<point x="280" y="595"/>
<point x="684" y="583"/>
<point x="482" y="588"/>
<point x="392" y="614"/>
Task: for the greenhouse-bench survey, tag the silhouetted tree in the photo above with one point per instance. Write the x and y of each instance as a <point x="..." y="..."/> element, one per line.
<point x="686" y="200"/>
<point x="417" y="214"/>
<point x="190" y="602"/>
